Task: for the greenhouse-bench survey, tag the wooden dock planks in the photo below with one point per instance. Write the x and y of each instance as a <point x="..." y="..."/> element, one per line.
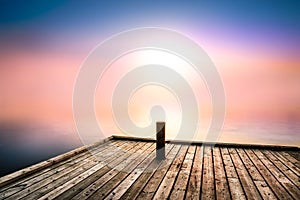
<point x="208" y="180"/>
<point x="165" y="188"/>
<point x="127" y="169"/>
<point x="181" y="183"/>
<point x="248" y="185"/>
<point x="235" y="187"/>
<point x="142" y="181"/>
<point x="194" y="184"/>
<point x="221" y="183"/>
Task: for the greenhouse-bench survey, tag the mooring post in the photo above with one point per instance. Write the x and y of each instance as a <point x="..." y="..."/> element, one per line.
<point x="160" y="140"/>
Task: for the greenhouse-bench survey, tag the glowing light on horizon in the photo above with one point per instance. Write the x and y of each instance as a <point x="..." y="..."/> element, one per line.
<point x="147" y="96"/>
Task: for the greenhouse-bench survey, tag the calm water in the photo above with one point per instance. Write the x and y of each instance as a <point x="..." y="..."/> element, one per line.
<point x="22" y="146"/>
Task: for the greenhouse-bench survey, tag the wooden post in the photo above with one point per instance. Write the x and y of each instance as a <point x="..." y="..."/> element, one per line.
<point x="160" y="140"/>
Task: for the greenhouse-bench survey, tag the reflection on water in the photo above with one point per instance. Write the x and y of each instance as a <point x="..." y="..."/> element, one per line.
<point x="22" y="146"/>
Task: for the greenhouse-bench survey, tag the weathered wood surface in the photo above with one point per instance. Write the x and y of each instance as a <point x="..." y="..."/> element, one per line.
<point x="127" y="169"/>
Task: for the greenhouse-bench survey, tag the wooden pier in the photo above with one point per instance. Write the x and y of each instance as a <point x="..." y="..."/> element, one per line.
<point x="126" y="168"/>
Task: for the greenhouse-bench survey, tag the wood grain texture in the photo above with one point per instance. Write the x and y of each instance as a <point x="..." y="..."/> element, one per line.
<point x="222" y="189"/>
<point x="127" y="169"/>
<point x="194" y="185"/>
<point x="208" y="181"/>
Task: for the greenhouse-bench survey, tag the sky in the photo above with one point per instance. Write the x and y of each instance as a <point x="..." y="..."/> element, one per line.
<point x="255" y="46"/>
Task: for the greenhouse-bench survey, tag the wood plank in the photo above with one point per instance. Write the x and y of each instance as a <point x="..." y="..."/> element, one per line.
<point x="181" y="183"/>
<point x="287" y="162"/>
<point x="235" y="187"/>
<point x="208" y="185"/>
<point x="291" y="159"/>
<point x="118" y="192"/>
<point x="87" y="183"/>
<point x="124" y="169"/>
<point x="152" y="185"/>
<point x="287" y="184"/>
<point x="218" y="144"/>
<point x="88" y="191"/>
<point x="22" y="182"/>
<point x="128" y="170"/>
<point x="74" y="181"/>
<point x="45" y="178"/>
<point x="229" y="167"/>
<point x="166" y="185"/>
<point x="246" y="181"/>
<point x="42" y="165"/>
<point x="40" y="188"/>
<point x="122" y="155"/>
<point x="295" y="154"/>
<point x="276" y="187"/>
<point x="284" y="169"/>
<point x="222" y="189"/>
<point x="141" y="182"/>
<point x="259" y="181"/>
<point x="194" y="185"/>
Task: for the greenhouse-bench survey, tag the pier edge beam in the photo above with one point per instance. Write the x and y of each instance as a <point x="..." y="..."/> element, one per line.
<point x="160" y="140"/>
